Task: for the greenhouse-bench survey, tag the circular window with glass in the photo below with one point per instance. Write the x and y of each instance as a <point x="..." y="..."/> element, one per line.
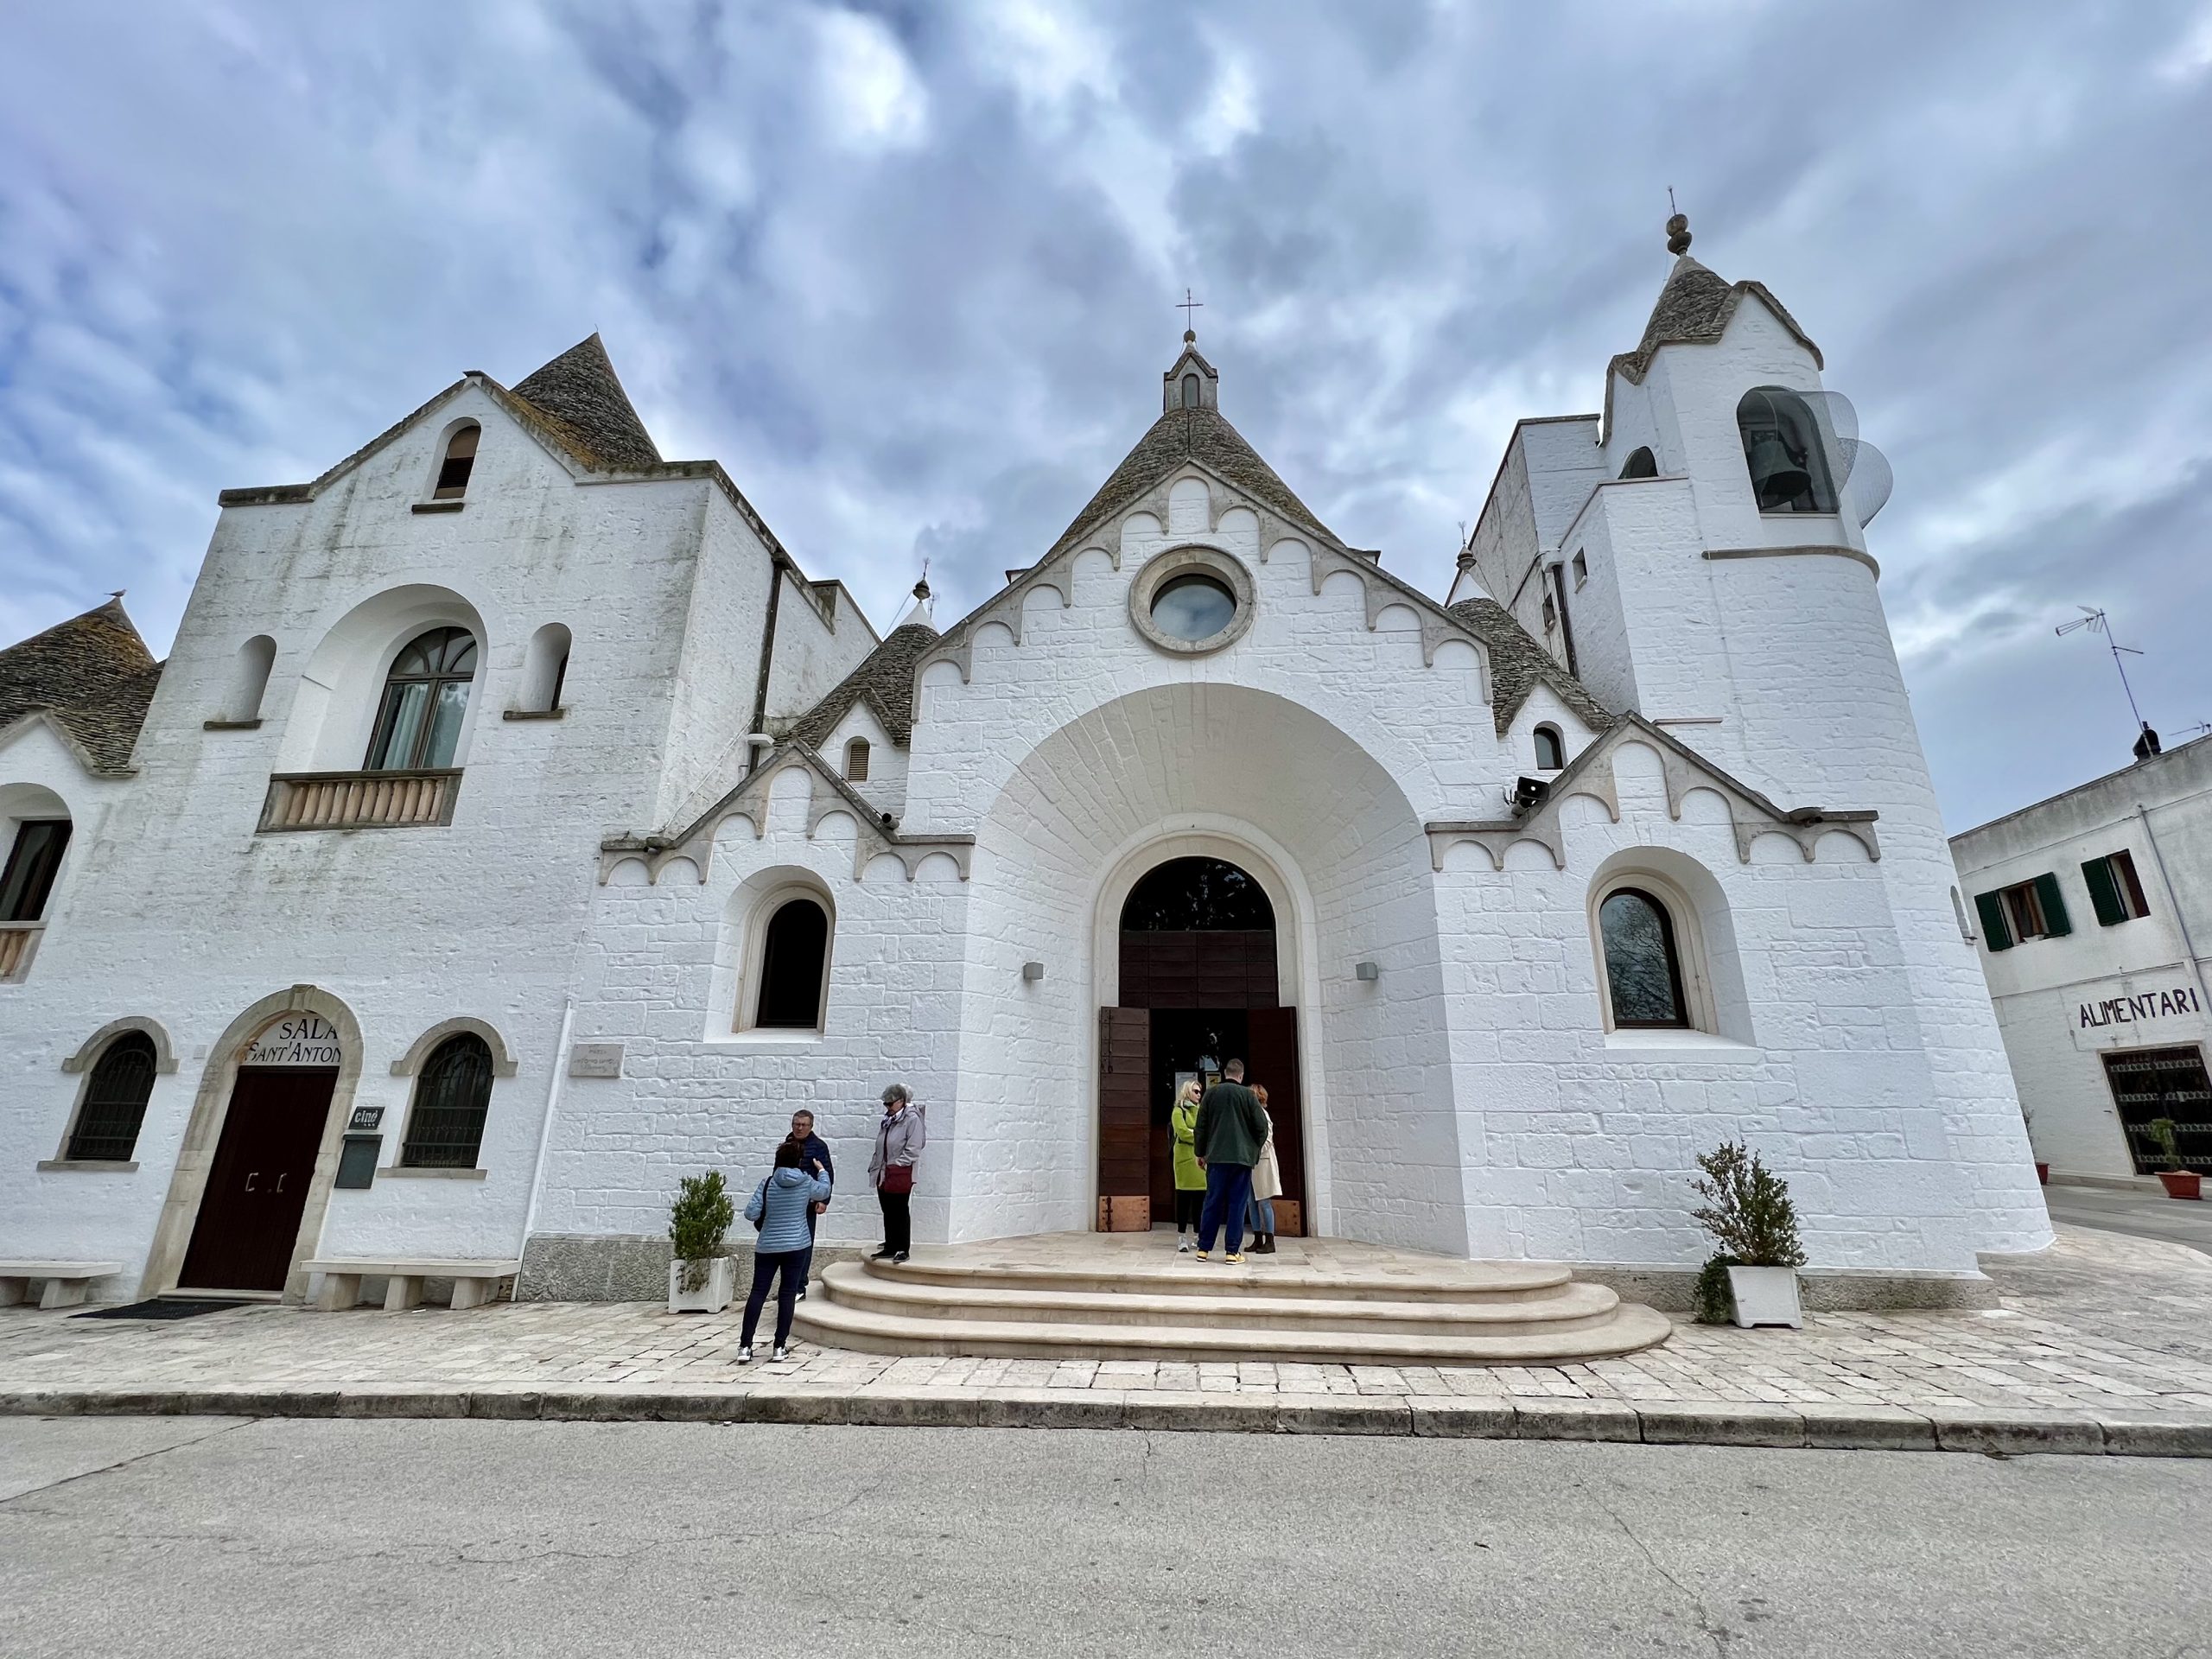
<point x="1194" y="607"/>
<point x="1192" y="600"/>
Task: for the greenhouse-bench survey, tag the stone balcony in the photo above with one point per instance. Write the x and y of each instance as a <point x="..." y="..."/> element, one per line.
<point x="360" y="800"/>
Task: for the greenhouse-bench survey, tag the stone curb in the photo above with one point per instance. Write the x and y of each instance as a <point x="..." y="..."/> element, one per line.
<point x="1993" y="1430"/>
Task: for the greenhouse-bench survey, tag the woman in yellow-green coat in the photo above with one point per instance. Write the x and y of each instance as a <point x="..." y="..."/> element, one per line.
<point x="1189" y="1174"/>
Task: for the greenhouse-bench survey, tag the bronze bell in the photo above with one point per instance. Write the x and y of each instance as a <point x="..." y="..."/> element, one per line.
<point x="1776" y="480"/>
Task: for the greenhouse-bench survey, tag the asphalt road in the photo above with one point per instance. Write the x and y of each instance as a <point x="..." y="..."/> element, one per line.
<point x="188" y="1536"/>
<point x="2144" y="1214"/>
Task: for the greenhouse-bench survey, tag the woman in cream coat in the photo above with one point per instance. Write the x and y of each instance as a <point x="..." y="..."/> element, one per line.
<point x="1266" y="1186"/>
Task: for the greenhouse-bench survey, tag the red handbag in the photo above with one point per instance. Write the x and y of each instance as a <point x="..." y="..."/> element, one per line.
<point x="897" y="1177"/>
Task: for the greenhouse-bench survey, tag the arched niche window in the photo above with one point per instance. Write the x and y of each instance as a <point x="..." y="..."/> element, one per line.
<point x="425" y="697"/>
<point x="545" y="670"/>
<point x="34" y="861"/>
<point x="1784" y="452"/>
<point x="792" y="981"/>
<point x="1190" y="391"/>
<point x="856" y="761"/>
<point x="1551" y="752"/>
<point x="445" y="1130"/>
<point x="115" y="1102"/>
<point x="249" y="680"/>
<point x="1641" y="463"/>
<point x="459" y="461"/>
<point x="1643" y="961"/>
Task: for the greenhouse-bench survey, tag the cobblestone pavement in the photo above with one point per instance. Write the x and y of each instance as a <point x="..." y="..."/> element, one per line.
<point x="2100" y="1328"/>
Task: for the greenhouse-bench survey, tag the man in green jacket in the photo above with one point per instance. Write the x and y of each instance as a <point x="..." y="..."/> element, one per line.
<point x="1232" y="1127"/>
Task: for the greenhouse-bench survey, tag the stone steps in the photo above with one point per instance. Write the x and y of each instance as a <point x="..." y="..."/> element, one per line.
<point x="1074" y="1296"/>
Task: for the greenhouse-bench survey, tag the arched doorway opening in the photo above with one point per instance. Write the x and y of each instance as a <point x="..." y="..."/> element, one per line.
<point x="1199" y="986"/>
<point x="246" y="1232"/>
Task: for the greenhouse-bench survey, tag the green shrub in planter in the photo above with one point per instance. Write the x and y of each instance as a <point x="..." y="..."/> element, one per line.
<point x="1747" y="1210"/>
<point x="2161" y="1132"/>
<point x="697" y="1221"/>
<point x="1710" y="1302"/>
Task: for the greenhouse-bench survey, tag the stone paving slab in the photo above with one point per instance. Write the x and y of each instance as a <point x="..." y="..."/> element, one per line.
<point x="2097" y="1347"/>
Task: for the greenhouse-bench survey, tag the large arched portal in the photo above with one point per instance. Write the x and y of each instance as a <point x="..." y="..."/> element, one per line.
<point x="1199" y="987"/>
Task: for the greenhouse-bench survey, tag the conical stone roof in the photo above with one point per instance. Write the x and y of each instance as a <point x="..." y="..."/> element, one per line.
<point x="580" y="391"/>
<point x="93" y="674"/>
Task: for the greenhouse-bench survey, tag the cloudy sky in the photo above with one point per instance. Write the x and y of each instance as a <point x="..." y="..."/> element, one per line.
<point x="908" y="272"/>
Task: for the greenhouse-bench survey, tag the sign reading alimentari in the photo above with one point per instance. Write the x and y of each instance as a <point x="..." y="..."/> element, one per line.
<point x="2144" y="1005"/>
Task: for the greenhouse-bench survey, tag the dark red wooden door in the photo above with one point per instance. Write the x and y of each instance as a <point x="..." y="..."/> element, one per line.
<point x="1124" y="1103"/>
<point x="257" y="1186"/>
<point x="1274" y="1064"/>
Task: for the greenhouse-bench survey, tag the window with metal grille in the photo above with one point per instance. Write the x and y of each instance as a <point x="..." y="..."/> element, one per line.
<point x="2149" y="1083"/>
<point x="115" y="1101"/>
<point x="2114" y="889"/>
<point x="445" y="1128"/>
<point x="33" y="863"/>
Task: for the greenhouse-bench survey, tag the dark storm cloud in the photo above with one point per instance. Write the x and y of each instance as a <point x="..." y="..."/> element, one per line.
<point x="906" y="270"/>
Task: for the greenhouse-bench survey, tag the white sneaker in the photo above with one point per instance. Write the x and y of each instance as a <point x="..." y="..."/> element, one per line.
<point x="1184" y="1247"/>
<point x="780" y="1355"/>
<point x="745" y="1354"/>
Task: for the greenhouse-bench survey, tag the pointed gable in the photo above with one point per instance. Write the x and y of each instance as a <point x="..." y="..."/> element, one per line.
<point x="1694" y="308"/>
<point x="91" y="675"/>
<point x="1518" y="666"/>
<point x="579" y="392"/>
<point x="884" y="680"/>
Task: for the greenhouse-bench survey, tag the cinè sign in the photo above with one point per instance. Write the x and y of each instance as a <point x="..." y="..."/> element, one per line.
<point x="2145" y="1005"/>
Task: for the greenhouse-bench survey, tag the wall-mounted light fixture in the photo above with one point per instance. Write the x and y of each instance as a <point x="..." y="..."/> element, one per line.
<point x="1369" y="972"/>
<point x="1032" y="970"/>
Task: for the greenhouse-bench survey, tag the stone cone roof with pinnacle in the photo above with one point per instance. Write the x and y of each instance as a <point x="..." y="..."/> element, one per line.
<point x="92" y="675"/>
<point x="579" y="392"/>
<point x="885" y="681"/>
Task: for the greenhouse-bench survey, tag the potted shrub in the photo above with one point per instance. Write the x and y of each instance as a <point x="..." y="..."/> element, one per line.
<point x="1748" y="1211"/>
<point x="2028" y="1125"/>
<point x="2178" y="1182"/>
<point x="701" y="1279"/>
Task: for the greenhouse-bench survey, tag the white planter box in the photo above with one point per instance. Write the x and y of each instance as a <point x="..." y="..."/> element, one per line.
<point x="712" y="1297"/>
<point x="1765" y="1296"/>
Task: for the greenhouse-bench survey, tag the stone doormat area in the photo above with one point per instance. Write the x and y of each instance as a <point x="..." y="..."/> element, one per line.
<point x="2103" y="1343"/>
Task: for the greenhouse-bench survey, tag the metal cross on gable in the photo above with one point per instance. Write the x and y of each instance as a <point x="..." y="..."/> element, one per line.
<point x="1187" y="305"/>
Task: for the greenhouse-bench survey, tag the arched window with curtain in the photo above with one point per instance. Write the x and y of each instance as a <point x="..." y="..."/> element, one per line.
<point x="1551" y="753"/>
<point x="115" y="1102"/>
<point x="445" y="1128"/>
<point x="856" y="761"/>
<point x="1641" y="463"/>
<point x="1784" y="452"/>
<point x="459" y="461"/>
<point x="425" y="698"/>
<point x="794" y="967"/>
<point x="1643" y="970"/>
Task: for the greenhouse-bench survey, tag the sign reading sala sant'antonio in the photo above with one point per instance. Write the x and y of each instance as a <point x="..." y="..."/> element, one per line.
<point x="296" y="1039"/>
<point x="2144" y="1005"/>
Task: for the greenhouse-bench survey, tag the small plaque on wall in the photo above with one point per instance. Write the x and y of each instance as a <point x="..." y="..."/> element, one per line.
<point x="357" y="1161"/>
<point x="595" y="1060"/>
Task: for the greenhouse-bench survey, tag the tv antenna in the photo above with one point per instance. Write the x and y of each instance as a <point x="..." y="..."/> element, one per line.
<point x="2095" y="620"/>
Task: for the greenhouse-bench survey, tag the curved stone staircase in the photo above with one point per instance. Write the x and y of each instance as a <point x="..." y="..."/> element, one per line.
<point x="1122" y="1296"/>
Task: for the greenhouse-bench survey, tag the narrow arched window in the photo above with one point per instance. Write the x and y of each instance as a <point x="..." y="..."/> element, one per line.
<point x="545" y="670"/>
<point x="1642" y="463"/>
<point x="249" y="679"/>
<point x="115" y="1102"/>
<point x="445" y="1128"/>
<point x="459" y="461"/>
<point x="856" y="761"/>
<point x="1190" y="391"/>
<point x="1551" y="753"/>
<point x="1783" y="452"/>
<point x="425" y="697"/>
<point x="1643" y="974"/>
<point x="794" y="956"/>
<point x="34" y="860"/>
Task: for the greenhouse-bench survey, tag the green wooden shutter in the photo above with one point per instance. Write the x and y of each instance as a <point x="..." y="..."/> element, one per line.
<point x="2104" y="892"/>
<point x="2054" y="907"/>
<point x="1991" y="909"/>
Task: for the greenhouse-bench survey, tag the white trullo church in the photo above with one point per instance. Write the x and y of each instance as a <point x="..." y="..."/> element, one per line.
<point x="516" y="828"/>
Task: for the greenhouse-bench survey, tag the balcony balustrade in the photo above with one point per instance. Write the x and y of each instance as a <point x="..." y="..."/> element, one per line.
<point x="360" y="800"/>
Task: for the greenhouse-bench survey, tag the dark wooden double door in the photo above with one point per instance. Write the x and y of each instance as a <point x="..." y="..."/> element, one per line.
<point x="256" y="1188"/>
<point x="1187" y="996"/>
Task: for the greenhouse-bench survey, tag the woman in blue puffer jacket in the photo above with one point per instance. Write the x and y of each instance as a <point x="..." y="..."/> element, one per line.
<point x="779" y="1208"/>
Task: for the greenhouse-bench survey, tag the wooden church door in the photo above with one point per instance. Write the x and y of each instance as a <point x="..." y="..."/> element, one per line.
<point x="1124" y="1107"/>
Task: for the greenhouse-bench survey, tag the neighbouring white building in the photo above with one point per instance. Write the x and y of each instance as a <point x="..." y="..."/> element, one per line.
<point x="515" y="828"/>
<point x="2092" y="914"/>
